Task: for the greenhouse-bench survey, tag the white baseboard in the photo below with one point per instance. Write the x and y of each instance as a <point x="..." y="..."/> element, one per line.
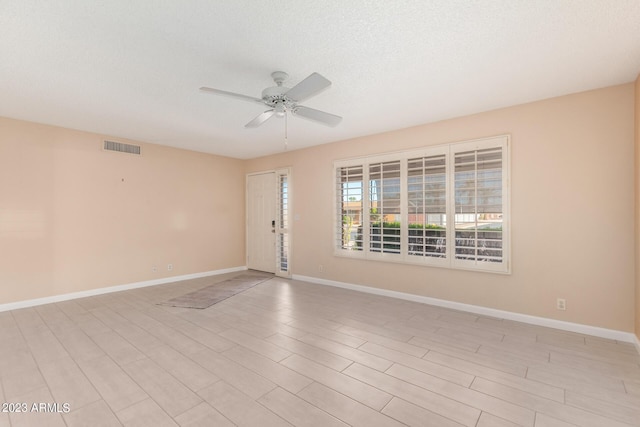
<point x="117" y="288"/>
<point x="485" y="311"/>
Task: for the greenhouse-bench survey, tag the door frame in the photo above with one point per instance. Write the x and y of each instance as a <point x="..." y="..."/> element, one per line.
<point x="288" y="231"/>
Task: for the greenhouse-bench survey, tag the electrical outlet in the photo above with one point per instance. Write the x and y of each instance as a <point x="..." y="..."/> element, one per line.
<point x="561" y="304"/>
<point x="320" y="268"/>
<point x="169" y="267"/>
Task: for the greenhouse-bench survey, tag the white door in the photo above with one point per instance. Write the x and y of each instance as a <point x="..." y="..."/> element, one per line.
<point x="261" y="222"/>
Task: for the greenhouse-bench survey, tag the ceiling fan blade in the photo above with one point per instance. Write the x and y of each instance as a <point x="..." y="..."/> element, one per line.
<point x="260" y="119"/>
<point x="317" y="115"/>
<point x="231" y="94"/>
<point x="308" y="87"/>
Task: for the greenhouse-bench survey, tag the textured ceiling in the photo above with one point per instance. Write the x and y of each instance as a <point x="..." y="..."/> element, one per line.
<point x="132" y="69"/>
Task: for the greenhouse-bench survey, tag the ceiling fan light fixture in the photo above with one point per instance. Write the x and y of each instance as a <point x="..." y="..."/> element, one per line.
<point x="280" y="109"/>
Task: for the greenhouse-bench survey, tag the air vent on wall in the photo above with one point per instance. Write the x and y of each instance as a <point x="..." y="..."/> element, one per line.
<point x="121" y="147"/>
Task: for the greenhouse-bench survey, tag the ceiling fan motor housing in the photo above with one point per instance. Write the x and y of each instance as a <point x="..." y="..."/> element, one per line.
<point x="275" y="95"/>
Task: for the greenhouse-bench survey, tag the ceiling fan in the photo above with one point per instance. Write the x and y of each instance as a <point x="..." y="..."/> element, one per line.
<point x="281" y="99"/>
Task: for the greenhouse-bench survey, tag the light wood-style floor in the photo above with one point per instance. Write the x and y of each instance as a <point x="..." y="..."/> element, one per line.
<point x="293" y="353"/>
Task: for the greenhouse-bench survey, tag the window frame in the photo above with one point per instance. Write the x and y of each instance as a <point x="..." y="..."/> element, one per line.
<point x="283" y="223"/>
<point x="449" y="151"/>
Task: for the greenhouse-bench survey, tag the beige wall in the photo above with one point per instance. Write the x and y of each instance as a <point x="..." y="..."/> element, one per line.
<point x="637" y="199"/>
<point x="75" y="218"/>
<point x="572" y="181"/>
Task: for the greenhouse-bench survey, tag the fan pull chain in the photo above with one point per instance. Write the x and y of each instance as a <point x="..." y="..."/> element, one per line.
<point x="286" y="141"/>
